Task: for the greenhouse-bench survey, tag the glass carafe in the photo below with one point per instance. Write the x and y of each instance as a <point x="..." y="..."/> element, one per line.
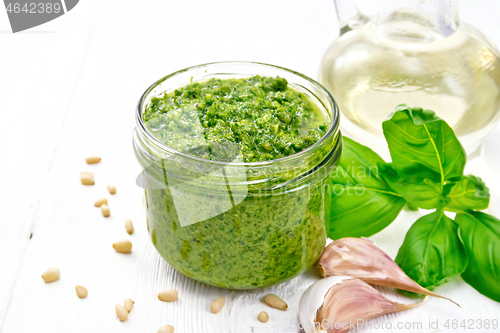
<point x="415" y="52"/>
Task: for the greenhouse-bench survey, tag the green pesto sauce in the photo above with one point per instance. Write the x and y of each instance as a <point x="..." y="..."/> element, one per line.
<point x="256" y="244"/>
<point x="263" y="240"/>
<point x="262" y="118"/>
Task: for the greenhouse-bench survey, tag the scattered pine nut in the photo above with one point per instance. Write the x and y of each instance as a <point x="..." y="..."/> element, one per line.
<point x="101" y="201"/>
<point x="275" y="302"/>
<point x="263" y="316"/>
<point x="121" y="312"/>
<point x="129" y="227"/>
<point x="81" y="291"/>
<point x="93" y="159"/>
<point x="50" y="275"/>
<point x="166" y="329"/>
<point x="167" y="295"/>
<point x="112" y="189"/>
<point x="128" y="303"/>
<point x="105" y="210"/>
<point x="87" y="178"/>
<point x="217" y="305"/>
<point x="123" y="246"/>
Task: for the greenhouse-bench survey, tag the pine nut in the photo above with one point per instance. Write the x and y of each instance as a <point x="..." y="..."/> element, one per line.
<point x="81" y="291"/>
<point x="275" y="302"/>
<point x="128" y="303"/>
<point x="217" y="305"/>
<point x="263" y="316"/>
<point x="50" y="275"/>
<point x="167" y="295"/>
<point x="129" y="227"/>
<point x="105" y="210"/>
<point x="123" y="246"/>
<point x="112" y="189"/>
<point x="166" y="329"/>
<point x="93" y="159"/>
<point x="121" y="312"/>
<point x="101" y="201"/>
<point x="87" y="178"/>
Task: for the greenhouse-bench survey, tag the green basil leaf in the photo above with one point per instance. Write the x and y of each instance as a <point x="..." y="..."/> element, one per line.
<point x="424" y="150"/>
<point x="469" y="193"/>
<point x="362" y="203"/>
<point x="432" y="252"/>
<point x="480" y="233"/>
<point x="416" y="189"/>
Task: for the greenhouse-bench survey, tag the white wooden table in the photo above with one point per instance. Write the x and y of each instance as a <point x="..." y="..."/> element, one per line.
<point x="68" y="89"/>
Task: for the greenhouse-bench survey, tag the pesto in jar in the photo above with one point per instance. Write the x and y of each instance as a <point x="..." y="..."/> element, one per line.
<point x="256" y="244"/>
<point x="264" y="116"/>
<point x="263" y="239"/>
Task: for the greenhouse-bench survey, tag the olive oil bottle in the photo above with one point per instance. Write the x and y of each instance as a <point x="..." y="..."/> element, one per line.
<point x="418" y="53"/>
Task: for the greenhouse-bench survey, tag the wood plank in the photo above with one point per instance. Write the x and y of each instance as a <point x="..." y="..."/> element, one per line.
<point x="95" y="72"/>
<point x="39" y="76"/>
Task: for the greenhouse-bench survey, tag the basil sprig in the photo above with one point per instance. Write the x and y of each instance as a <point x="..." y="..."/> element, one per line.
<point x="427" y="171"/>
<point x="480" y="234"/>
<point x="431" y="239"/>
<point x="360" y="195"/>
<point x="426" y="155"/>
<point x="469" y="193"/>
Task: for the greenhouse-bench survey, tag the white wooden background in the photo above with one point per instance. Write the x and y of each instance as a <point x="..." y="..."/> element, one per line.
<point x="68" y="89"/>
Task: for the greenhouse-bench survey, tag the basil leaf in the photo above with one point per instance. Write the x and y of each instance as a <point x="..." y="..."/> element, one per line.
<point x="469" y="193"/>
<point x="415" y="188"/>
<point x="424" y="150"/>
<point x="362" y="203"/>
<point x="432" y="251"/>
<point x="480" y="233"/>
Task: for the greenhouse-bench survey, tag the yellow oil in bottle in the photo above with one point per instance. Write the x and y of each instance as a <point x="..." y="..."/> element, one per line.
<point x="373" y="68"/>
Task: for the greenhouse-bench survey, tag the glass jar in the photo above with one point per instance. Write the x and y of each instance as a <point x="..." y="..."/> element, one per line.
<point x="230" y="223"/>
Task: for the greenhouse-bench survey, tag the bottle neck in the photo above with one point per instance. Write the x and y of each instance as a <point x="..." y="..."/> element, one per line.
<point x="348" y="15"/>
<point x="425" y="20"/>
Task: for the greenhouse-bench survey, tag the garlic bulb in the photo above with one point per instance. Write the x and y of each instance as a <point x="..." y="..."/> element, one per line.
<point x="341" y="303"/>
<point x="361" y="258"/>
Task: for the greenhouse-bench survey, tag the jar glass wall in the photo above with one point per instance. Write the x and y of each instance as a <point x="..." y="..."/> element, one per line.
<point x="231" y="223"/>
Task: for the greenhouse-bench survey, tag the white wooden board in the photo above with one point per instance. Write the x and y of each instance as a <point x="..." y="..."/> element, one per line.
<point x="68" y="89"/>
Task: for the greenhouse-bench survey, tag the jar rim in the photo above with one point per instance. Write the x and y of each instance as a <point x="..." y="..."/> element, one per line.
<point x="332" y="130"/>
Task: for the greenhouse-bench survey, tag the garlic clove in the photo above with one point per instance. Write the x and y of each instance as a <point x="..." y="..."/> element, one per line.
<point x="361" y="258"/>
<point x="313" y="298"/>
<point x="340" y="303"/>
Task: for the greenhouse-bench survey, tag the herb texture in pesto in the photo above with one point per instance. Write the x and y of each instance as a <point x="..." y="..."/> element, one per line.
<point x="263" y="116"/>
<point x="264" y="238"/>
<point x="256" y="244"/>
